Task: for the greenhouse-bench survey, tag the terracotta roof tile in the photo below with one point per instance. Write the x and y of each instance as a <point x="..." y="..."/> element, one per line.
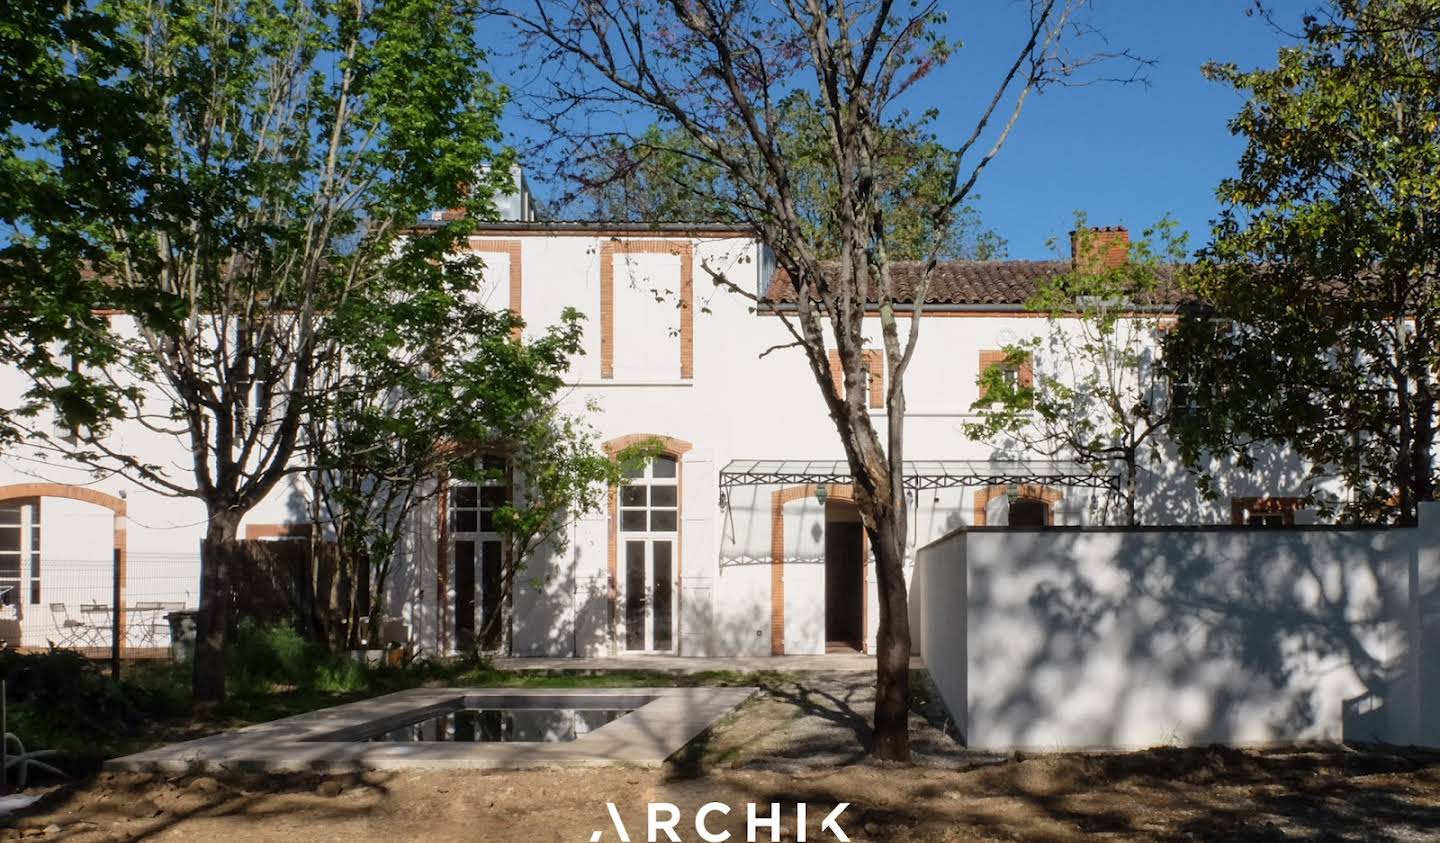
<point x="1009" y="282"/>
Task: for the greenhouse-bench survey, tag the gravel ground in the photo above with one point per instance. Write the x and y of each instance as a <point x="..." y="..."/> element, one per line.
<point x="800" y="741"/>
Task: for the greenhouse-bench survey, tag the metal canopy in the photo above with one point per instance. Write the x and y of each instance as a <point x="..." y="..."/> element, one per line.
<point x="921" y="474"/>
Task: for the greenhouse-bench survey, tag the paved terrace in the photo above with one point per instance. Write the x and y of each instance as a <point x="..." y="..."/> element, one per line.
<point x="829" y="663"/>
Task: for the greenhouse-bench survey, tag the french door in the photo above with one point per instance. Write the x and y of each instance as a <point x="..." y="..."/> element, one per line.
<point x="649" y="529"/>
<point x="477" y="557"/>
<point x="648" y="593"/>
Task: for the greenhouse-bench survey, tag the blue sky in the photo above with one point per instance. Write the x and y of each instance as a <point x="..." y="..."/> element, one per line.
<point x="1124" y="154"/>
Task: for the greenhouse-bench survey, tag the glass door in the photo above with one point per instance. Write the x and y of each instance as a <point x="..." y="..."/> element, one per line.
<point x="649" y="595"/>
<point x="478" y="556"/>
<point x="649" y="526"/>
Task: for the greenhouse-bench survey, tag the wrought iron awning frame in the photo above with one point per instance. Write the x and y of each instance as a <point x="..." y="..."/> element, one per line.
<point x="922" y="474"/>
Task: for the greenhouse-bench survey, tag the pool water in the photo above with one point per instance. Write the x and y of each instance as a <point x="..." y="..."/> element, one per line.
<point x="500" y="725"/>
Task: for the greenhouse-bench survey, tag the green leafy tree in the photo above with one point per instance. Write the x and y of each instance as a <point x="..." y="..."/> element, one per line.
<point x="665" y="176"/>
<point x="718" y="74"/>
<point x="435" y="385"/>
<point x="1093" y="392"/>
<point x="295" y="146"/>
<point x="558" y="474"/>
<point x="1323" y="323"/>
<point x="71" y="132"/>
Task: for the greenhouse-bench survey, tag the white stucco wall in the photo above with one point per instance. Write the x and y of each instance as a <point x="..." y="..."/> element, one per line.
<point x="1122" y="638"/>
<point x="737" y="405"/>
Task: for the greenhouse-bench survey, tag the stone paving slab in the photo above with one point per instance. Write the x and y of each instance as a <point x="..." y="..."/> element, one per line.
<point x="665" y="720"/>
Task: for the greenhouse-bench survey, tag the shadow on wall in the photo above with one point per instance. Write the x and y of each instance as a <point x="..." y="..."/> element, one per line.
<point x="1123" y="637"/>
<point x="558" y="611"/>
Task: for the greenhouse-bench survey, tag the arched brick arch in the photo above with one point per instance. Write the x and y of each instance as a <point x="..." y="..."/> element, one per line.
<point x="1030" y="491"/>
<point x="20" y="491"/>
<point x="778" y="499"/>
<point x="670" y="447"/>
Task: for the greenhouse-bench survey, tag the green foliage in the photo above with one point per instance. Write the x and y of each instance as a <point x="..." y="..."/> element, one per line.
<point x="1324" y="308"/>
<point x="283" y="153"/>
<point x="664" y="176"/>
<point x="261" y="658"/>
<point x="60" y="700"/>
<point x="71" y="133"/>
<point x="1095" y="394"/>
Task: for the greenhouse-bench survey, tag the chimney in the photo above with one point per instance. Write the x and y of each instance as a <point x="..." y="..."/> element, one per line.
<point x="516" y="206"/>
<point x="1106" y="247"/>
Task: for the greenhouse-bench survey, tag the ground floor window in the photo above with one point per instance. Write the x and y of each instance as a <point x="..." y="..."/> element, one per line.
<point x="19" y="556"/>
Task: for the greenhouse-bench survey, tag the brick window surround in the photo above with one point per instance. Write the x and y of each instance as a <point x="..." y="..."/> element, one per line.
<point x="874" y="363"/>
<point x="676" y="450"/>
<point x="510" y="248"/>
<point x="20" y="491"/>
<point x="608" y="250"/>
<point x="778" y="499"/>
<point x="1026" y="491"/>
<point x="992" y="357"/>
<point x="1285" y="507"/>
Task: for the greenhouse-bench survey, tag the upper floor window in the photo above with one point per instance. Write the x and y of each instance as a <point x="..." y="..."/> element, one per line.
<point x="1017" y="375"/>
<point x="1264" y="511"/>
<point x="873" y="373"/>
<point x="649" y="500"/>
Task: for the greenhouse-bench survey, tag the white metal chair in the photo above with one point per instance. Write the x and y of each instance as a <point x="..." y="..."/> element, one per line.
<point x="141" y="623"/>
<point x="97" y="623"/>
<point x="71" y="632"/>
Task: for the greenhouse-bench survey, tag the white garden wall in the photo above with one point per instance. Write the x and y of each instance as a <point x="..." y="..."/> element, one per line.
<point x="1094" y="637"/>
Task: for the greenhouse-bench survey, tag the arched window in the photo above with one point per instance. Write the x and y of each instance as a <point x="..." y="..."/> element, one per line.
<point x="649" y="524"/>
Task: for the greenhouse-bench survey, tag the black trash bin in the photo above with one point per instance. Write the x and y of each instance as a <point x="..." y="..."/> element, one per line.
<point x="182" y="634"/>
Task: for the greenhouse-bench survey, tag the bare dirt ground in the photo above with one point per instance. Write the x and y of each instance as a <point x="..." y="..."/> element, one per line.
<point x="800" y="742"/>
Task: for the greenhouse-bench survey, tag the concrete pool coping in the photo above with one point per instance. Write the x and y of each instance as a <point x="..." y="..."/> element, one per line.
<point x="645" y="737"/>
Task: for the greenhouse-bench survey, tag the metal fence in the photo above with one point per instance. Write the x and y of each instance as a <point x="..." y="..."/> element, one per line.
<point x="107" y="608"/>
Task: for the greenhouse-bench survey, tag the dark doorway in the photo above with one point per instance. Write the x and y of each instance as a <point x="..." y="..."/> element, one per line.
<point x="1028" y="512"/>
<point x="844" y="583"/>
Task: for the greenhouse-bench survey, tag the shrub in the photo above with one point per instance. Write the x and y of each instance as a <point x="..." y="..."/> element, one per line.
<point x="260" y="658"/>
<point x="60" y="700"/>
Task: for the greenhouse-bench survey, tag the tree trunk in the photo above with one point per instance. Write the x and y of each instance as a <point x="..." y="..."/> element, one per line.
<point x="1130" y="489"/>
<point x="218" y="552"/>
<point x="891" y="740"/>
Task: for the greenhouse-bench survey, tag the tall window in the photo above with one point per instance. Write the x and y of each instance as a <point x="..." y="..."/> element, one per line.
<point x="649" y="521"/>
<point x="478" y="554"/>
<point x="19" y="556"/>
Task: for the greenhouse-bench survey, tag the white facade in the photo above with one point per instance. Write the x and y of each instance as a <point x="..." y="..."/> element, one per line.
<point x="667" y="354"/>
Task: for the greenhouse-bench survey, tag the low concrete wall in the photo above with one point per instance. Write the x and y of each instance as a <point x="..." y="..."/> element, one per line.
<point x="1073" y="637"/>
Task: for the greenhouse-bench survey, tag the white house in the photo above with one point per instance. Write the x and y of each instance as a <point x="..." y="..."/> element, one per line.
<point x="742" y="538"/>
